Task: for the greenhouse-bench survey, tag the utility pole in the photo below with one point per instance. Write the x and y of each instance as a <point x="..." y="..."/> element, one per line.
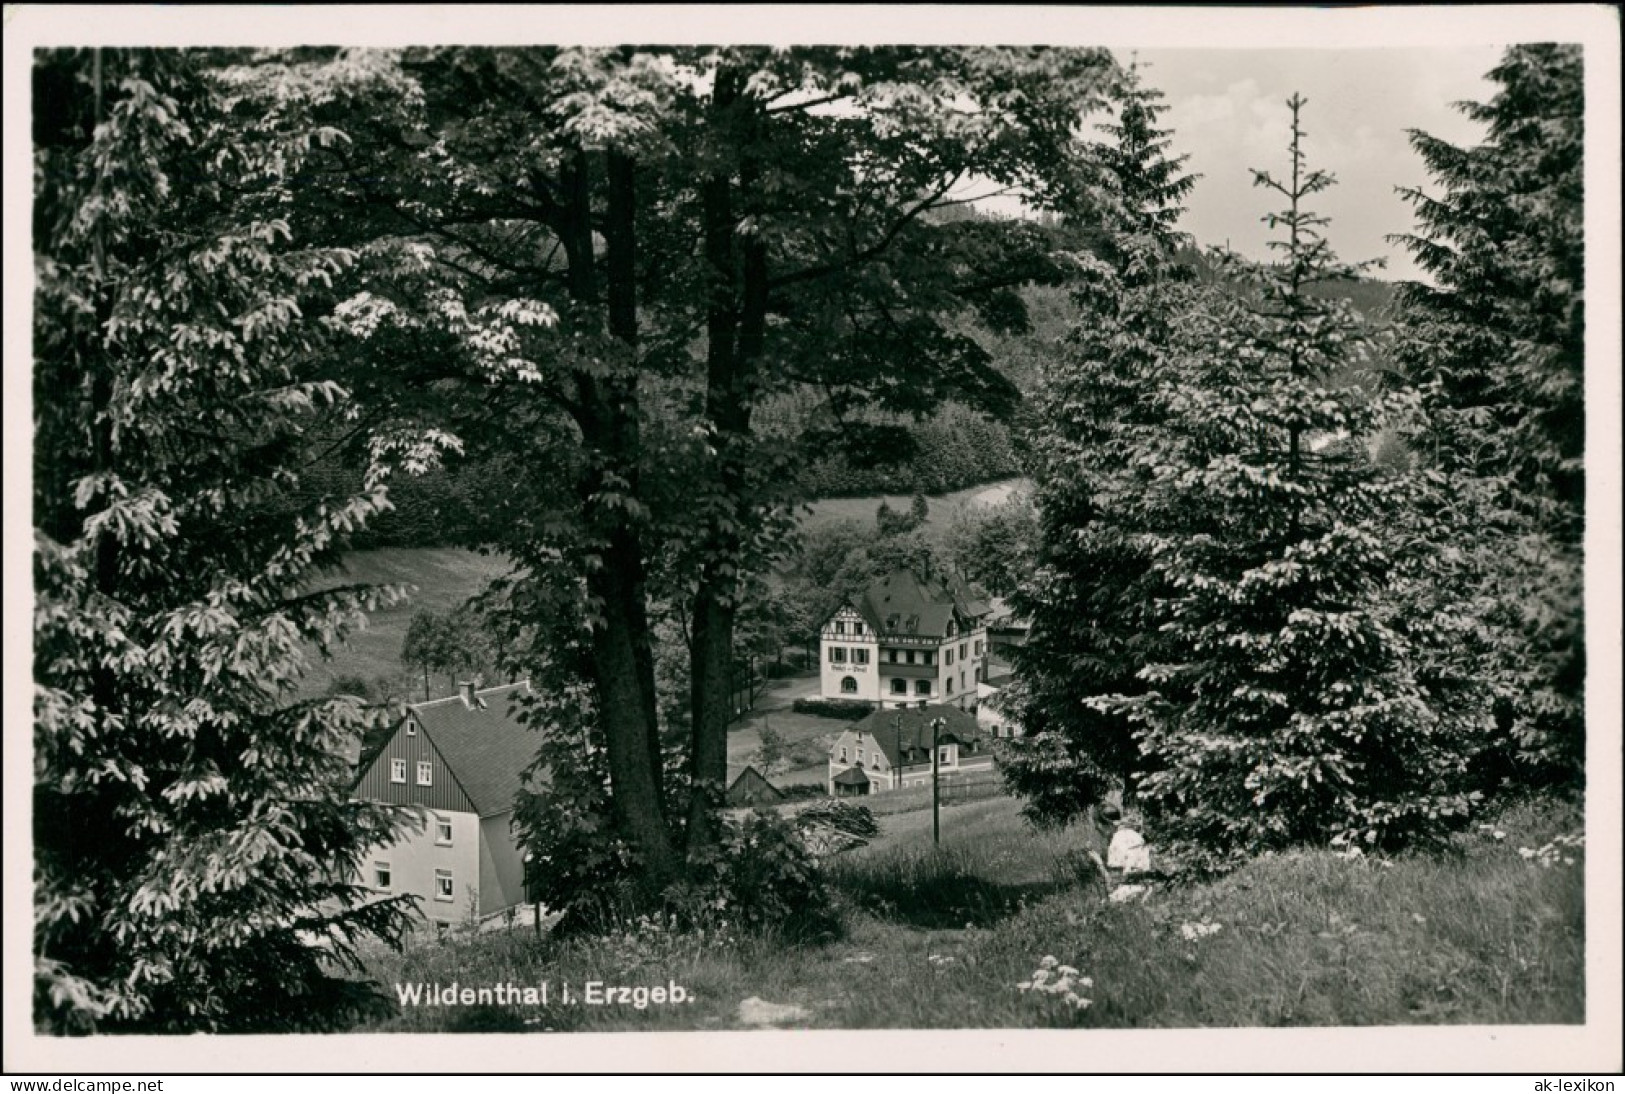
<point x="897" y="737"/>
<point x="936" y="812"/>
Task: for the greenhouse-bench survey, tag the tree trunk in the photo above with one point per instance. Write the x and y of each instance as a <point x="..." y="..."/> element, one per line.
<point x="607" y="413"/>
<point x="735" y="329"/>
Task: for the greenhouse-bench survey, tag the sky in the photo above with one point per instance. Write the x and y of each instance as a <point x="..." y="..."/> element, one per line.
<point x="1227" y="108"/>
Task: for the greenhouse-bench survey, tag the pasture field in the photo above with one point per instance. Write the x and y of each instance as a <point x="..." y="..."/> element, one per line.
<point x="942" y="507"/>
<point x="442" y="579"/>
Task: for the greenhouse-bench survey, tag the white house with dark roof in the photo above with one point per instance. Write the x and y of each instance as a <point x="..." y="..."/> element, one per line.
<point x="891" y="748"/>
<point x="907" y="641"/>
<point x="460" y="760"/>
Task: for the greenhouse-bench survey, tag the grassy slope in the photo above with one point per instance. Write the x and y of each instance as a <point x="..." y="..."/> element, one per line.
<point x="444" y="577"/>
<point x="1474" y="935"/>
<point x="942" y="507"/>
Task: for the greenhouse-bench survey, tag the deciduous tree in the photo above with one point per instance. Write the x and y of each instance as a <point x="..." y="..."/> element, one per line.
<point x="196" y="850"/>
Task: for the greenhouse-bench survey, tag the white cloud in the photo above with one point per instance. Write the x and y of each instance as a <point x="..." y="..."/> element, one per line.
<point x="1228" y="111"/>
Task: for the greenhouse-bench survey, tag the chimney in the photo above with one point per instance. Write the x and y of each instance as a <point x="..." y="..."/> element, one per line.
<point x="465" y="688"/>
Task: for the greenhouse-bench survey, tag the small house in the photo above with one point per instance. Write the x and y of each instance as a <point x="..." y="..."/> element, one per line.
<point x="459" y="760"/>
<point x="751" y="788"/>
<point x="890" y="749"/>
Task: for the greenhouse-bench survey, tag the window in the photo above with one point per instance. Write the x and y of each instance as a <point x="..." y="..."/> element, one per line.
<point x="945" y="754"/>
<point x="442" y="886"/>
<point x="948" y="656"/>
<point x="978" y="648"/>
<point x="962" y="651"/>
<point x="425" y="773"/>
<point x="843" y="754"/>
<point x="857" y="628"/>
<point x="927" y="656"/>
<point x="397" y="771"/>
<point x="874" y="765"/>
<point x="891" y="657"/>
<point x="911" y="657"/>
<point x="840" y="628"/>
<point x="961" y="679"/>
<point x="922" y="687"/>
<point x="411" y="729"/>
<point x="860" y="657"/>
<point x="860" y="755"/>
<point x="849" y="686"/>
<point x="442" y="831"/>
<point x="380" y="875"/>
<point x="950" y="683"/>
<point x="837" y="655"/>
<point x="899" y="687"/>
<point x="996" y="729"/>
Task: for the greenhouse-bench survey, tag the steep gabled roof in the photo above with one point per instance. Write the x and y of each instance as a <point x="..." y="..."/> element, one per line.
<point x="903" y="603"/>
<point x="486" y="747"/>
<point x="915" y="724"/>
<point x="852" y="776"/>
<point x="751" y="785"/>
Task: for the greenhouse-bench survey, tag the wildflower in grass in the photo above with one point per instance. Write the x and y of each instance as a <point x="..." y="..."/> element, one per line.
<point x="1062" y="984"/>
<point x="1555" y="852"/>
<point x="1194" y="931"/>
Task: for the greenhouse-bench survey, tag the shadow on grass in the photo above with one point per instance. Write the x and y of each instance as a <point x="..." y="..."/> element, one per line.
<point x="945" y="889"/>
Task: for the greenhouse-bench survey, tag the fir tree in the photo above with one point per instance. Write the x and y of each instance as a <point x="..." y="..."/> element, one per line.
<point x="1497" y="345"/>
<point x="196" y="853"/>
<point x="1288" y="702"/>
<point x="1097" y="411"/>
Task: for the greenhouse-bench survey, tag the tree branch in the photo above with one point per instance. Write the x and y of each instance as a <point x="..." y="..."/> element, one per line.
<point x="813" y="273"/>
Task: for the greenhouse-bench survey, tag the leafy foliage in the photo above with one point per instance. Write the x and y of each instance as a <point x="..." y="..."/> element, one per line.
<point x="1289" y="702"/>
<point x="771" y="753"/>
<point x="951" y="450"/>
<point x="457" y="644"/>
<point x="1099" y="409"/>
<point x="195" y="852"/>
<point x="1248" y="610"/>
<point x="607" y="299"/>
<point x="994" y="546"/>
<point x="1497" y="347"/>
<point x="761" y="877"/>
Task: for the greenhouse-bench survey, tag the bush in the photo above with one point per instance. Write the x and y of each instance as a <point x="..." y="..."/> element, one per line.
<point x="761" y="878"/>
<point x="848" y="710"/>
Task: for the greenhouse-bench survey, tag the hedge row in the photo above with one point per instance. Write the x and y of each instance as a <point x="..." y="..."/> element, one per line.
<point x="847" y="710"/>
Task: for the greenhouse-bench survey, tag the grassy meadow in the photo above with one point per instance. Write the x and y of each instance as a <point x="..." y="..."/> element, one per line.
<point x="942" y="507"/>
<point x="1481" y="933"/>
<point x="441" y="578"/>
